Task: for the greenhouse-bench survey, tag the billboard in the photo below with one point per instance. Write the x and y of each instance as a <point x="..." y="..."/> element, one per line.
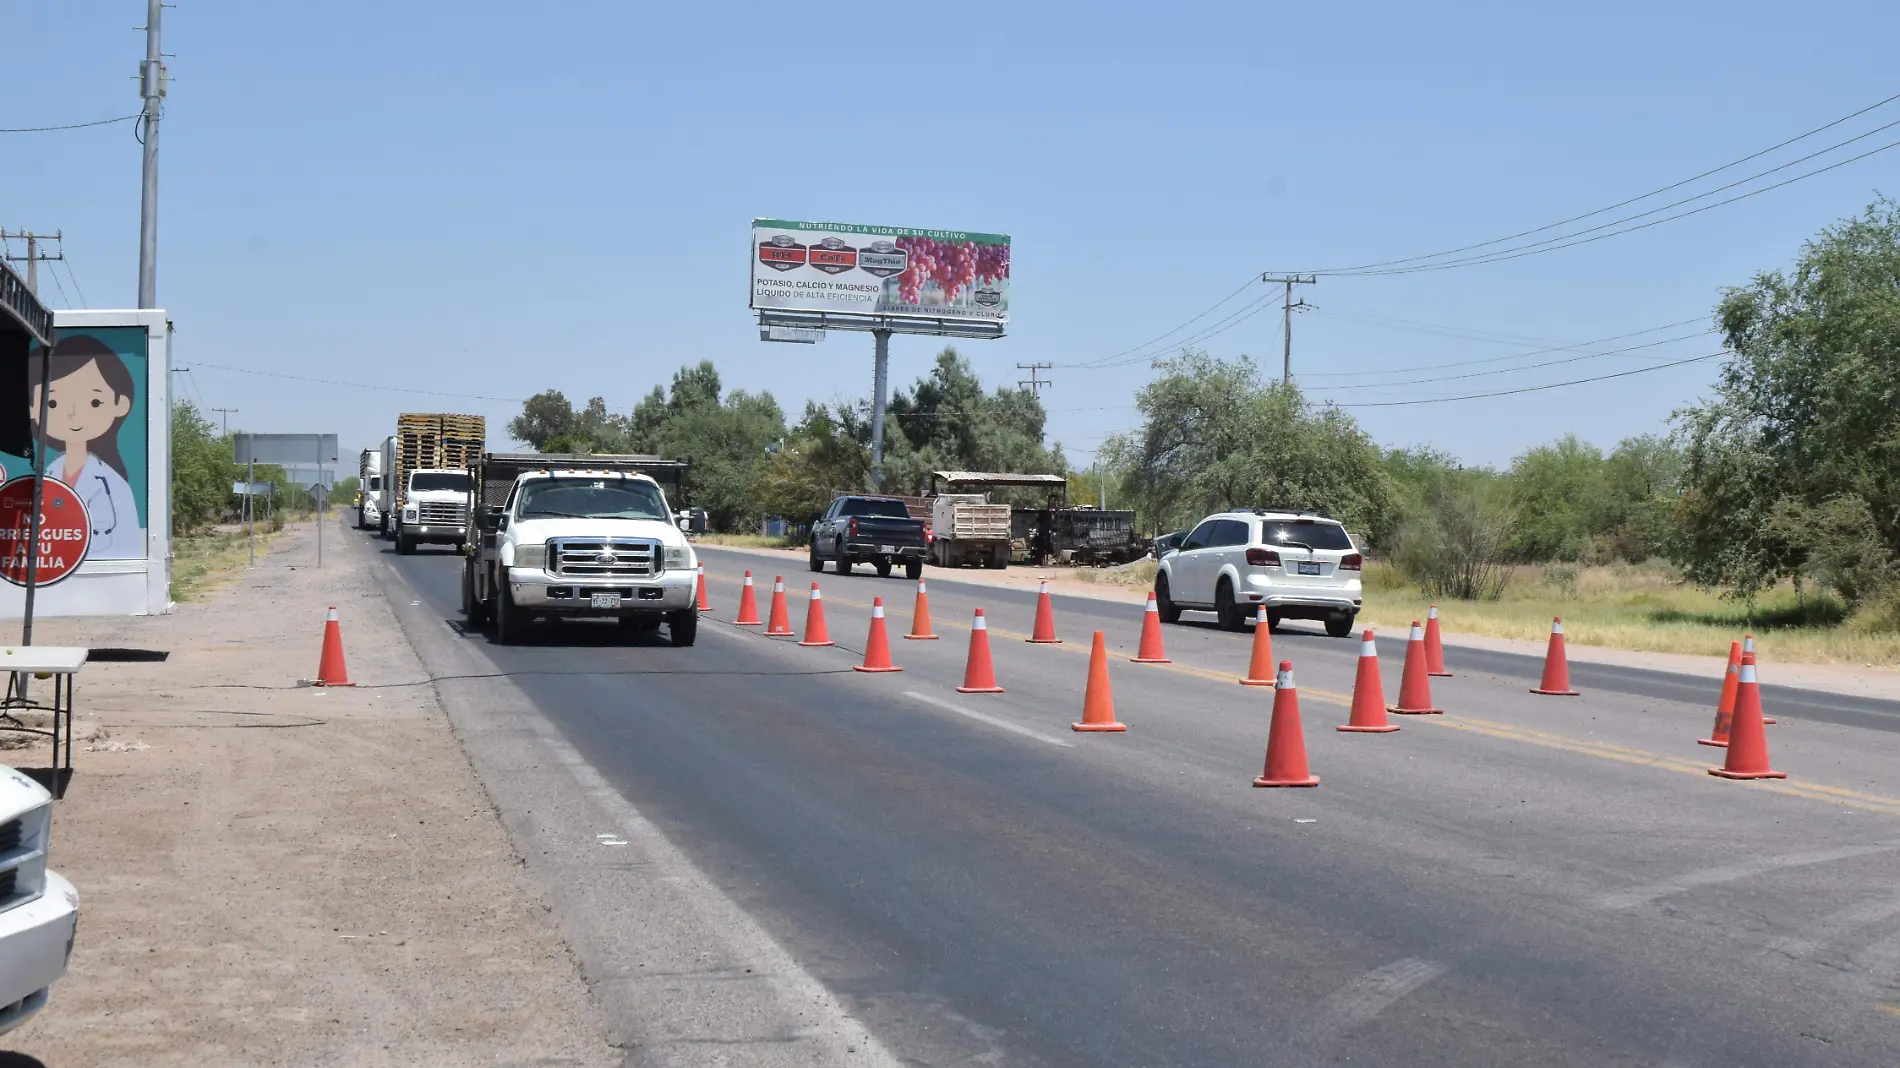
<point x="893" y="271"/>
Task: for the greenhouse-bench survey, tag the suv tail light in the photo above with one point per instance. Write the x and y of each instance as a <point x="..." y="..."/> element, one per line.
<point x="1263" y="558"/>
<point x="1352" y="562"/>
<point x="851" y="530"/>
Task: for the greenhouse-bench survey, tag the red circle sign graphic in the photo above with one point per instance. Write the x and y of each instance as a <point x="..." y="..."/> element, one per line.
<point x="65" y="531"/>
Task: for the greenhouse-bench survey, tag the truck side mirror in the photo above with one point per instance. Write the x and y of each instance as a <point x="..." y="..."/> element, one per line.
<point x="501" y="523"/>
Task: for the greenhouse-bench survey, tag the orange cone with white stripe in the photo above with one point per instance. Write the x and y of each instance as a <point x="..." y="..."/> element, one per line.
<point x="979" y="674"/>
<point x="1434" y="646"/>
<point x="1747" y="741"/>
<point x="331" y="670"/>
<point x="815" y="632"/>
<point x="1150" y="651"/>
<point x="877" y="645"/>
<point x="1415" y="688"/>
<point x="704" y="605"/>
<point x="920" y="617"/>
<point x="779" y="623"/>
<point x="1098" y="701"/>
<point x="1286" y="741"/>
<point x="1368" y="694"/>
<point x="748" y="605"/>
<point x="1260" y="668"/>
<point x="1045" y="629"/>
<point x="1748" y="646"/>
<point x="1556" y="666"/>
<point x="1725" y="704"/>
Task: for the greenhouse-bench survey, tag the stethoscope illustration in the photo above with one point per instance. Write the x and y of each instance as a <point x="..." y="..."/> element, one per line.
<point x="110" y="512"/>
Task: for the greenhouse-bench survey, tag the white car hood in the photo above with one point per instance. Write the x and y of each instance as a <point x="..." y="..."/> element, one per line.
<point x="535" y="531"/>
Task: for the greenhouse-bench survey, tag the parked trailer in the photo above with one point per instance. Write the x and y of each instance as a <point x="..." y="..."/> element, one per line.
<point x="967" y="527"/>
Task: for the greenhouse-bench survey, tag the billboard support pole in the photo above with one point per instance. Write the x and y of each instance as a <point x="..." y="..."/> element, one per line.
<point x="250" y="508"/>
<point x="880" y="385"/>
<point x="39" y="501"/>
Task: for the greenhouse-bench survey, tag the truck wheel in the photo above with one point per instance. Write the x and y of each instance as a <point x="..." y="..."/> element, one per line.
<point x="404" y="546"/>
<point x="1339" y="626"/>
<point x="382" y="526"/>
<point x="844" y="562"/>
<point x="883" y="567"/>
<point x="999" y="559"/>
<point x="914" y="568"/>
<point x="683" y="627"/>
<point x="817" y="562"/>
<point x="507" y="621"/>
<point x="472" y="607"/>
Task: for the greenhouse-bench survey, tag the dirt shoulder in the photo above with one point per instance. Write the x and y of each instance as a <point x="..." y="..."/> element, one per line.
<point x="1848" y="679"/>
<point x="277" y="874"/>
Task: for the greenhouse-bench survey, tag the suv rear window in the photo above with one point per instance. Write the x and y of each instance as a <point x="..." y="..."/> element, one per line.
<point x="875" y="507"/>
<point x="1318" y="535"/>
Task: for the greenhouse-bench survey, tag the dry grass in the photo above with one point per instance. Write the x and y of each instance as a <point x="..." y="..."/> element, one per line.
<point x="1642" y="607"/>
<point x="751" y="541"/>
<point x="203" y="562"/>
<point x="1140" y="574"/>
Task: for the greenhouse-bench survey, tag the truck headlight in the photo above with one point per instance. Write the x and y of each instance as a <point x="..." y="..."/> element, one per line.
<point x="409" y="512"/>
<point x="531" y="556"/>
<point x="677" y="557"/>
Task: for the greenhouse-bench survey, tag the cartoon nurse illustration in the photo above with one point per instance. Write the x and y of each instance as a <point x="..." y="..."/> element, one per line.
<point x="91" y="395"/>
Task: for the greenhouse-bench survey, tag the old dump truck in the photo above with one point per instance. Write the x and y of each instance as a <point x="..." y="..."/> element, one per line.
<point x="967" y="528"/>
<point x="1076" y="535"/>
<point x="425" y="477"/>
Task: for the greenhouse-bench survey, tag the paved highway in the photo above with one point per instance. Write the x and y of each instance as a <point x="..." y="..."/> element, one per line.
<point x="1523" y="881"/>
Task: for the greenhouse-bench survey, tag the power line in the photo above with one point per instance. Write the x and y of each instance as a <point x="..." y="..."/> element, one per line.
<point x="1622" y="203"/>
<point x="67" y="262"/>
<point x="1500" y="359"/>
<point x="1533" y="389"/>
<point x="1525" y="367"/>
<point x="72" y="126"/>
<point x="1035" y="385"/>
<point x="1221" y="326"/>
<point x="361" y="385"/>
<point x="1211" y="310"/>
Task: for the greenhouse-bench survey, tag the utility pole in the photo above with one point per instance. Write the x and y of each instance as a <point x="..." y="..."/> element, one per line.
<point x="1035" y="384"/>
<point x="226" y="412"/>
<point x="152" y="76"/>
<point x="34" y="255"/>
<point x="1286" y="318"/>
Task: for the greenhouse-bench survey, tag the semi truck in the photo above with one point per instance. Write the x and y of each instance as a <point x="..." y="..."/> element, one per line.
<point x="369" y="482"/>
<point x="573" y="537"/>
<point x="426" y="477"/>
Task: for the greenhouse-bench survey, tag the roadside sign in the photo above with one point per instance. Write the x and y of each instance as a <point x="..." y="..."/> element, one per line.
<point x="65" y="531"/>
<point x="797" y="335"/>
<point x="253" y="489"/>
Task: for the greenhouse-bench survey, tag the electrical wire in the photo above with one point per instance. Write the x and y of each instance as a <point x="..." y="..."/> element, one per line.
<point x="1514" y="370"/>
<point x="66" y="261"/>
<point x="1619" y="204"/>
<point x="72" y="126"/>
<point x="1211" y="310"/>
<point x="1504" y="359"/>
<point x="358" y="385"/>
<point x="1532" y="389"/>
<point x="1216" y="328"/>
<point x="61" y="286"/>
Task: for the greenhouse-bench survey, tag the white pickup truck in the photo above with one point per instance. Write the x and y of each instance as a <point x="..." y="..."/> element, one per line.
<point x="564" y="537"/>
<point x="39" y="911"/>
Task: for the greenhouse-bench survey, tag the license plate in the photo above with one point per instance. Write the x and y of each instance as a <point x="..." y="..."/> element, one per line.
<point x="887" y="548"/>
<point x="606" y="600"/>
<point x="1308" y="569"/>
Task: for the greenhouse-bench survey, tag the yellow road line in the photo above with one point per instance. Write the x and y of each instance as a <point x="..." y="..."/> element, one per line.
<point x="1892" y="1010"/>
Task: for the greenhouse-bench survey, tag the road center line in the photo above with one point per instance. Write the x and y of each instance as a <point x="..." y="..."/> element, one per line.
<point x="1371" y="994"/>
<point x="1643" y="895"/>
<point x="980" y="717"/>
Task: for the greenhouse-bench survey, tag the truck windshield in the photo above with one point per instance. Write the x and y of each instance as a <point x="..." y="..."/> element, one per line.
<point x="423" y="481"/>
<point x="592" y="498"/>
<point x="873" y="507"/>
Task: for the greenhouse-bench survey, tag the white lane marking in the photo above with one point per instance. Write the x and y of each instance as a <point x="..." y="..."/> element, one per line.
<point x="1836" y="924"/>
<point x="1643" y="895"/>
<point x="1373" y="993"/>
<point x="951" y="706"/>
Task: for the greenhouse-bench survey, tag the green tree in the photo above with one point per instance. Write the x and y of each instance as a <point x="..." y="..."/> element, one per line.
<point x="1216" y="436"/>
<point x="819" y="458"/>
<point x="1797" y="453"/>
<point x="1558" y="499"/>
<point x="202" y="471"/>
<point x="544" y="417"/>
<point x="947" y="421"/>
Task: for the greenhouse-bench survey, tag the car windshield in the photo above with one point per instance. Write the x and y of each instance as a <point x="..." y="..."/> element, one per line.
<point x="423" y="481"/>
<point x="1311" y="534"/>
<point x="895" y="509"/>
<point x="592" y="498"/>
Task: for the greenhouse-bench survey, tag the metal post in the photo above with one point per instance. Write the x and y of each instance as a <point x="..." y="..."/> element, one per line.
<point x="879" y="387"/>
<point x="1101" y="488"/>
<point x="250" y="506"/>
<point x="39" y="501"/>
<point x="316" y="496"/>
<point x="152" y="88"/>
<point x="33" y="263"/>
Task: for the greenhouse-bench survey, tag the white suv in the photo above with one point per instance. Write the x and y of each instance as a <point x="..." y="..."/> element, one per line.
<point x="1300" y="565"/>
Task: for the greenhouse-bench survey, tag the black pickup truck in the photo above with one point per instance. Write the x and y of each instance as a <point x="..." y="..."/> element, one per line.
<point x="874" y="530"/>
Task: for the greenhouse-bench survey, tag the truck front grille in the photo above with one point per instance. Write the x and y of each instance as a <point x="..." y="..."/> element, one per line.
<point x="441" y="513"/>
<point x="11" y="832"/>
<point x="7" y="880"/>
<point x="604" y="557"/>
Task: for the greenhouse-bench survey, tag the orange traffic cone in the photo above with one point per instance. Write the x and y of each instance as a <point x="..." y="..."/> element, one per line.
<point x="1151" y="651"/>
<point x="1045" y="631"/>
<point x="1434" y="648"/>
<point x="877" y="646"/>
<point x="704" y="605"/>
<point x="1260" y="669"/>
<point x="1556" y="667"/>
<point x="1286" y="742"/>
<point x="1748" y="646"/>
<point x="748" y="605"/>
<point x="330" y="667"/>
<point x="1098" y="701"/>
<point x="815" y="632"/>
<point x="1368" y="694"/>
<point x="1748" y="743"/>
<point x="1725" y="704"/>
<point x="1415" y="688"/>
<point x="979" y="675"/>
<point x="920" y="617"/>
<point x="779" y="623"/>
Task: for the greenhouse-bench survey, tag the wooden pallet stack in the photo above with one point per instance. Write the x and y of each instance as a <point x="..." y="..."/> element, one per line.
<point x="438" y="441"/>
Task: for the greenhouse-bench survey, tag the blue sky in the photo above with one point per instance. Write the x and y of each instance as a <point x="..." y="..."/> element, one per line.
<point x="498" y="198"/>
